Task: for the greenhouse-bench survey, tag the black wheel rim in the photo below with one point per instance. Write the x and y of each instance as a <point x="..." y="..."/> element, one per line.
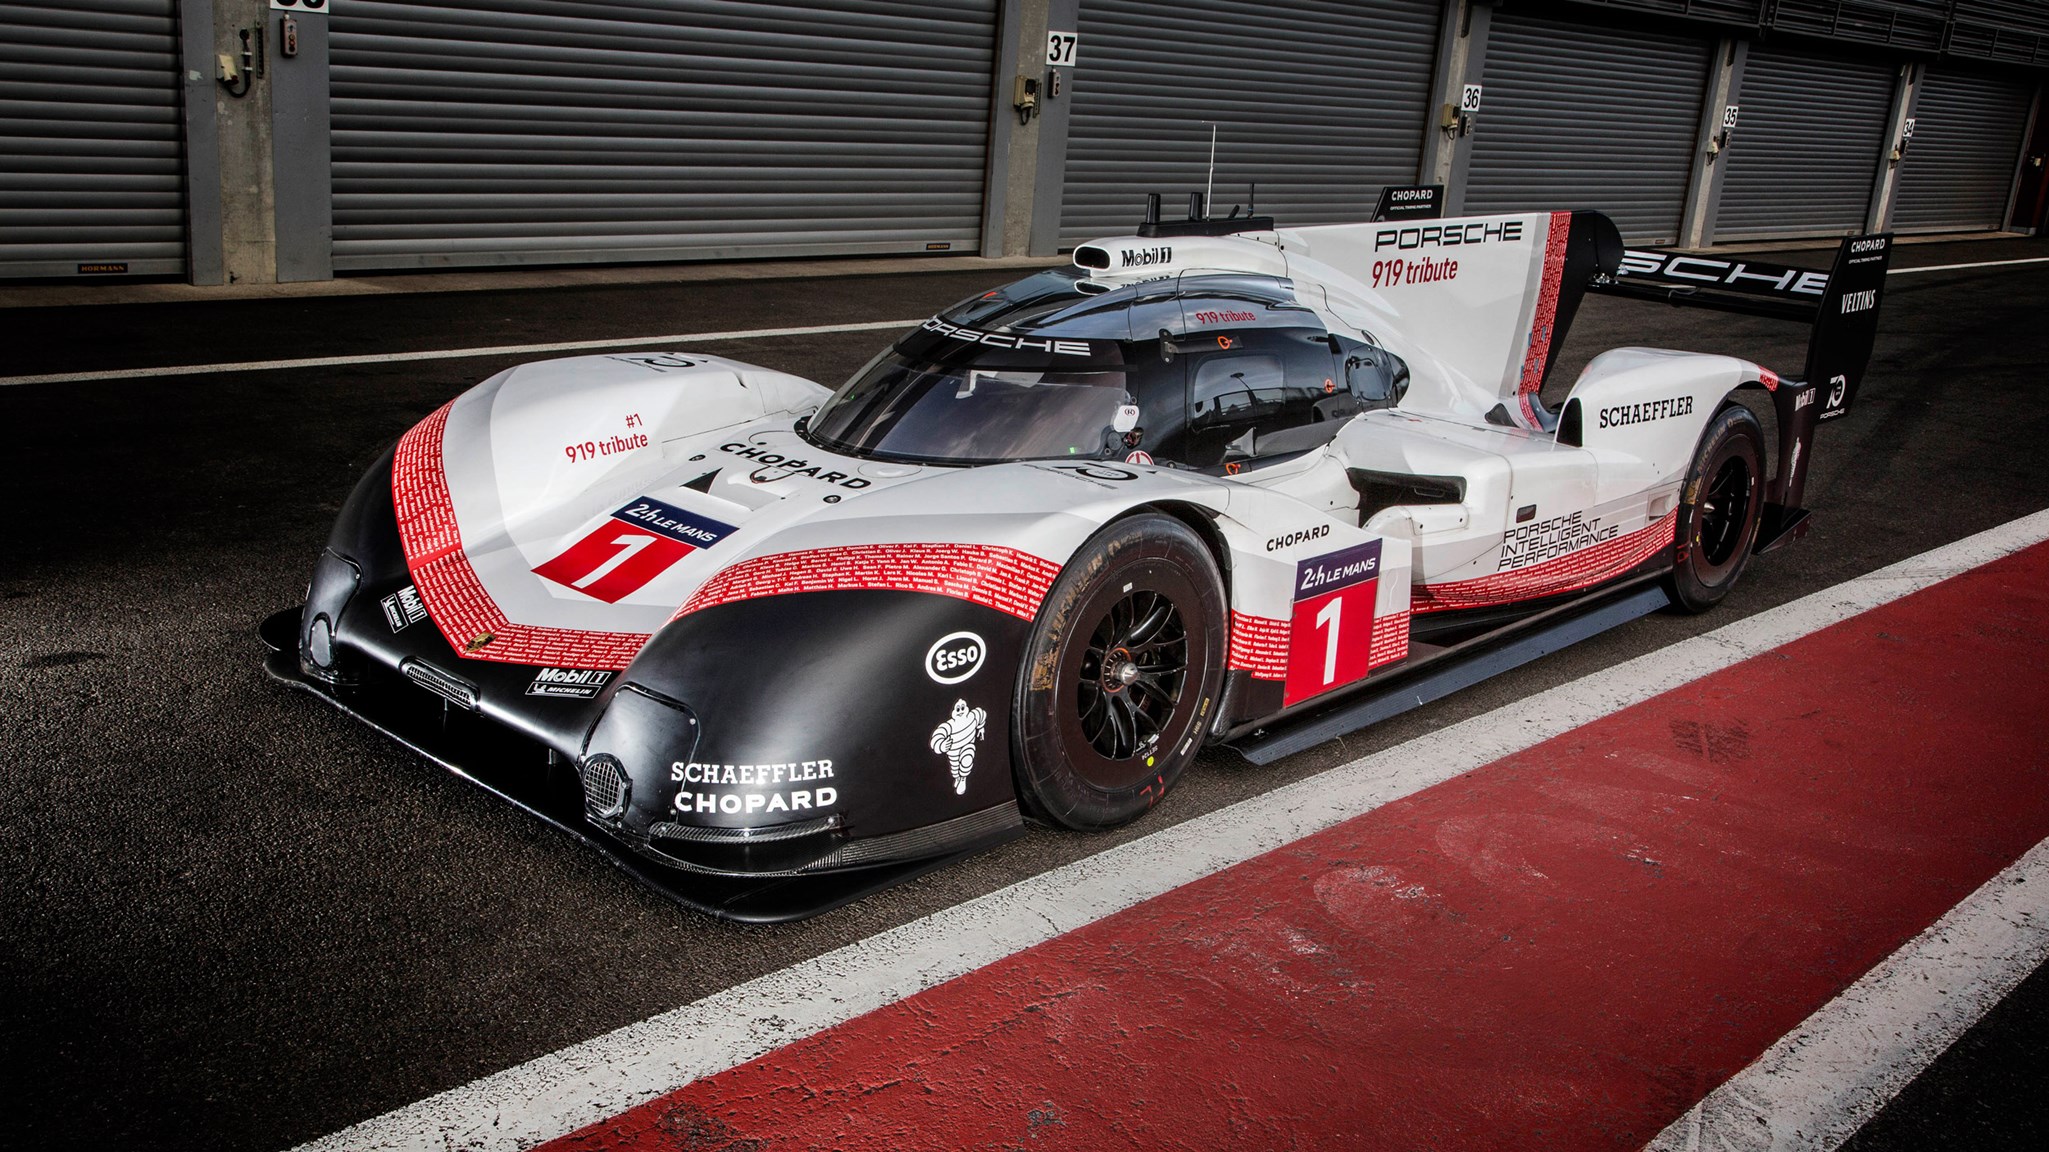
<point x="1133" y="672"/>
<point x="1724" y="513"/>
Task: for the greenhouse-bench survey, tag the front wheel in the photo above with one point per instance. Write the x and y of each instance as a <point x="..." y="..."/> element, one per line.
<point x="1123" y="668"/>
<point x="1718" y="510"/>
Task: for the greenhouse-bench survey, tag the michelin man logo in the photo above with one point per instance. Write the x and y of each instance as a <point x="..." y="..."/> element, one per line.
<point x="955" y="739"/>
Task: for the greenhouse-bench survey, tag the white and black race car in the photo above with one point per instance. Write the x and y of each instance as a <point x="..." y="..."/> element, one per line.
<point x="772" y="646"/>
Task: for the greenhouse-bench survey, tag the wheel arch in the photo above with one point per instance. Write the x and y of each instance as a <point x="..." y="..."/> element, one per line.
<point x="1203" y="523"/>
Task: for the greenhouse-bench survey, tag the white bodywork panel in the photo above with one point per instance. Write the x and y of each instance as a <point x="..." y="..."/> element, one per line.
<point x="546" y="466"/>
<point x="523" y="490"/>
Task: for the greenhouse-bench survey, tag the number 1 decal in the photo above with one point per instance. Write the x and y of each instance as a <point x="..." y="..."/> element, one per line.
<point x="1329" y="618"/>
<point x="1322" y="653"/>
<point x="630" y="548"/>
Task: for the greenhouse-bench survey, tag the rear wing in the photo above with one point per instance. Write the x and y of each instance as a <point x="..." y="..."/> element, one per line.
<point x="1841" y="304"/>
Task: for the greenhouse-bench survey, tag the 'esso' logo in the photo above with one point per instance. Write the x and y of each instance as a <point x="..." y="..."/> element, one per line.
<point x="955" y="657"/>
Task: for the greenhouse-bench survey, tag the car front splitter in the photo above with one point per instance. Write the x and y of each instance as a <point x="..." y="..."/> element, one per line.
<point x="521" y="771"/>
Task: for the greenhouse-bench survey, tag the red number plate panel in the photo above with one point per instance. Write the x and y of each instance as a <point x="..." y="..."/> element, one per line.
<point x="1330" y="633"/>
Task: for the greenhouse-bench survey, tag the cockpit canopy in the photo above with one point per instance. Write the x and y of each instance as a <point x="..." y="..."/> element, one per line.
<point x="1222" y="367"/>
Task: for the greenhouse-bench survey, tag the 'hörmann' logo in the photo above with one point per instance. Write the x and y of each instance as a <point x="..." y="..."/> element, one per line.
<point x="1147" y="257"/>
<point x="1860" y="301"/>
<point x="1625" y="414"/>
<point x="571" y="683"/>
<point x="1448" y="235"/>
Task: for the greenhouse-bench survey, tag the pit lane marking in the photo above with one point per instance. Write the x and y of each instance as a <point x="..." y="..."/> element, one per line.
<point x="1954" y="267"/>
<point x="601" y="1078"/>
<point x="1823" y="1080"/>
<point x="452" y="353"/>
<point x="586" y="345"/>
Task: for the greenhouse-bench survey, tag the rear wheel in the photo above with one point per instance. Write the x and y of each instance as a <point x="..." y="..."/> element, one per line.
<point x="1718" y="510"/>
<point x="1122" y="670"/>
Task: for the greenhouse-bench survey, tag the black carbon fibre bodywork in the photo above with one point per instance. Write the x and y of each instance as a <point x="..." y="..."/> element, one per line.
<point x="778" y="755"/>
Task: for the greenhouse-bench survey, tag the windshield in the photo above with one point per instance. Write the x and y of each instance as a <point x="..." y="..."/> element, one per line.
<point x="966" y="415"/>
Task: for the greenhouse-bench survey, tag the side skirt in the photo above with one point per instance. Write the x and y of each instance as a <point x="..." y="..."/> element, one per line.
<point x="1432" y="674"/>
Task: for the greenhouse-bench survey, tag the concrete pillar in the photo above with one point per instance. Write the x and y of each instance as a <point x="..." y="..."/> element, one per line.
<point x="1885" y="186"/>
<point x="202" y="144"/>
<point x="1012" y="179"/>
<point x="1028" y="160"/>
<point x="1713" y="142"/>
<point x="1461" y="60"/>
<point x="243" y="129"/>
<point x="302" y="157"/>
<point x="1056" y="103"/>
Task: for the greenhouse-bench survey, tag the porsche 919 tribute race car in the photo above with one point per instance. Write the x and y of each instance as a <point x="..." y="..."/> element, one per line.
<point x="772" y="646"/>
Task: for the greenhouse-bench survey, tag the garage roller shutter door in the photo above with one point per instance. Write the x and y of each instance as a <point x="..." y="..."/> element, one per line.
<point x="1578" y="116"/>
<point x="1319" y="104"/>
<point x="1967" y="138"/>
<point x="544" y="131"/>
<point x="91" y="137"/>
<point x="1806" y="146"/>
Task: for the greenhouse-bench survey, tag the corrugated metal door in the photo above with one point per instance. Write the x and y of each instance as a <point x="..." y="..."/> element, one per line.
<point x="1581" y="116"/>
<point x="1319" y="104"/>
<point x="472" y="132"/>
<point x="1806" y="147"/>
<point x="1959" y="170"/>
<point x="91" y="138"/>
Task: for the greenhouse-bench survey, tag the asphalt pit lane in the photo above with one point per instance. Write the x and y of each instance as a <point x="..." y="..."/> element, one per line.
<point x="61" y="659"/>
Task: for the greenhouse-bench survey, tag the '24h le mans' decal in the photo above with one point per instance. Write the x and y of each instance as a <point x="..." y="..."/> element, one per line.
<point x="631" y="547"/>
<point x="1330" y="636"/>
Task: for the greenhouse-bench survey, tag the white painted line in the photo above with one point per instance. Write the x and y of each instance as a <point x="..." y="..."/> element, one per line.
<point x="580" y="346"/>
<point x="600" y="1078"/>
<point x="1822" y="1081"/>
<point x="1954" y="267"/>
<point x="634" y="342"/>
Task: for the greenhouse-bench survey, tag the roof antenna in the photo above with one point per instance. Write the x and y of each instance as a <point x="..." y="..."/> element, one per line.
<point x="1209" y="188"/>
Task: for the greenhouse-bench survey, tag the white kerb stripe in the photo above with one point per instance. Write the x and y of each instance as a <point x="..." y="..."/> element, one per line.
<point x="585" y="1083"/>
<point x="1823" y="1080"/>
<point x="454" y="353"/>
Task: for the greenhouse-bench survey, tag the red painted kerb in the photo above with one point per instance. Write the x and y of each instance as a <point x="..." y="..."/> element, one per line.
<point x="1565" y="948"/>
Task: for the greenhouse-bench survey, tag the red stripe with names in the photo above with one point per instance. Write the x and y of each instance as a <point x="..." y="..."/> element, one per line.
<point x="454" y="596"/>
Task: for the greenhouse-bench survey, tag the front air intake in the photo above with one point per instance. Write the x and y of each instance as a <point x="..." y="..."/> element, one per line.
<point x="446" y="685"/>
<point x="606" y="787"/>
<point x="1090" y="256"/>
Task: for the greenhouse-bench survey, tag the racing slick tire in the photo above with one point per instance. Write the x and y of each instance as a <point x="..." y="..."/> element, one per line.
<point x="1122" y="670"/>
<point x="1719" y="508"/>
